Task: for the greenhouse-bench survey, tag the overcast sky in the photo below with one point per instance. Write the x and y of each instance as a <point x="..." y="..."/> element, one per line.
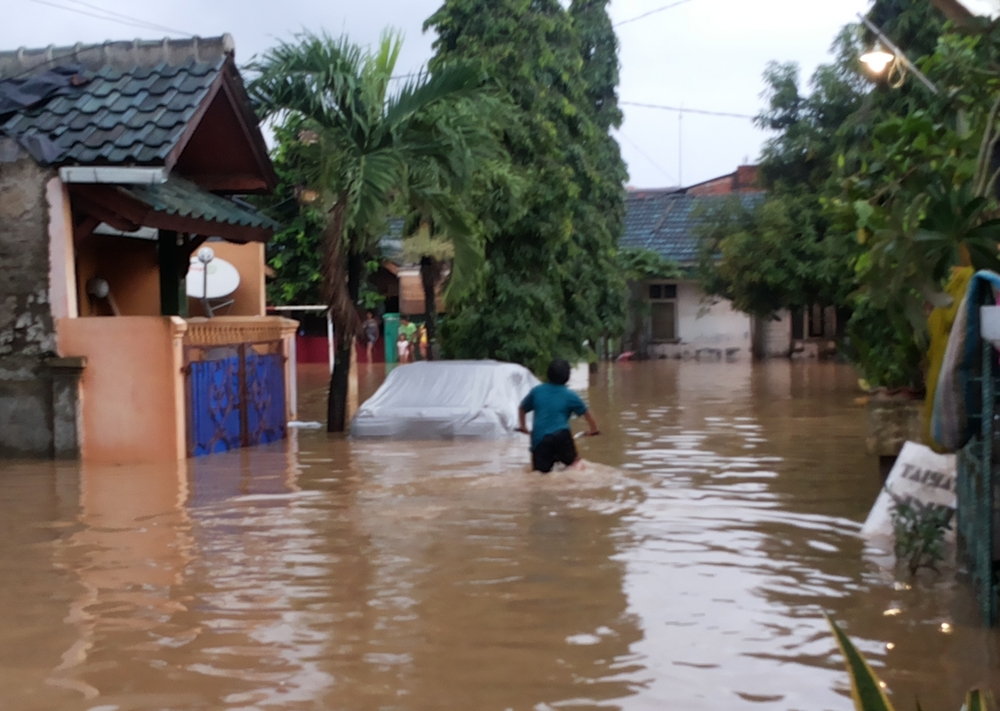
<point x="702" y="54"/>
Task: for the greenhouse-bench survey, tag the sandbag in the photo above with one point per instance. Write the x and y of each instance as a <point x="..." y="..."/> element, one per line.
<point x="920" y="475"/>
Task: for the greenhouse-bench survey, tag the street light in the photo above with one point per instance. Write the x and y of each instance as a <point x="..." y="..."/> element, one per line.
<point x="877" y="59"/>
<point x="886" y="54"/>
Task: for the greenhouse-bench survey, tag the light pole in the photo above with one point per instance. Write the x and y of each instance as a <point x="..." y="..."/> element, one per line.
<point x="889" y="55"/>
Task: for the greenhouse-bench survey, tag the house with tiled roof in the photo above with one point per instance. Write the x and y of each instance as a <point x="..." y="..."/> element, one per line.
<point x="122" y="167"/>
<point x="674" y="317"/>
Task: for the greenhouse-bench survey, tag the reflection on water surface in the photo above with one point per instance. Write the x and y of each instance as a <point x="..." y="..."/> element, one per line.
<point x="689" y="571"/>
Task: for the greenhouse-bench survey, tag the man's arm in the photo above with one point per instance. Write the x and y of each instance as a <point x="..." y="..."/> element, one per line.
<point x="521" y="416"/>
<point x="593" y="425"/>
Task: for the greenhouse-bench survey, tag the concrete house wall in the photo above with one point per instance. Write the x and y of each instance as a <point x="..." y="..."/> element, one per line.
<point x="28" y="194"/>
<point x="706" y="328"/>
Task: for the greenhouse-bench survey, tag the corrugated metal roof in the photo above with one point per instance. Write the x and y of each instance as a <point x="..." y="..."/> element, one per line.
<point x="119" y="117"/>
<point x="666" y="222"/>
<point x="182" y="197"/>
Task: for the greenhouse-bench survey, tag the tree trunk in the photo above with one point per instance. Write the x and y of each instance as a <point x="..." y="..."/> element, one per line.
<point x="430" y="270"/>
<point x="340" y="379"/>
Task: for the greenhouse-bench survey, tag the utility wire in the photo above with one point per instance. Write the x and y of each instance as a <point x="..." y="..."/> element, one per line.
<point x="645" y="155"/>
<point x="130" y="18"/>
<point x="114" y="17"/>
<point x="683" y="110"/>
<point x="651" y="12"/>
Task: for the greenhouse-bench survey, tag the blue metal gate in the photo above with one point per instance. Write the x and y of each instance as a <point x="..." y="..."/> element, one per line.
<point x="235" y="396"/>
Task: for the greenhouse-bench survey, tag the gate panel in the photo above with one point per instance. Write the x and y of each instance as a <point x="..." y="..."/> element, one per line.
<point x="214" y="411"/>
<point x="265" y="378"/>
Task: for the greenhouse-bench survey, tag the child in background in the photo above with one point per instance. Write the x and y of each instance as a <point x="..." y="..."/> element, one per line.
<point x="553" y="403"/>
<point x="422" y="341"/>
<point x="403" y="348"/>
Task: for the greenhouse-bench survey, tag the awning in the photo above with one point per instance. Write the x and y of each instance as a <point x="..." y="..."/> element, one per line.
<point x="177" y="205"/>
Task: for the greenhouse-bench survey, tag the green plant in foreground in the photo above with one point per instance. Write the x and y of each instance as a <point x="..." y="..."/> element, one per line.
<point x="919" y="531"/>
<point x="868" y="691"/>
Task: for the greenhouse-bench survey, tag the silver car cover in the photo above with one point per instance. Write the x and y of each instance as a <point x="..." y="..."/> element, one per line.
<point x="446" y="399"/>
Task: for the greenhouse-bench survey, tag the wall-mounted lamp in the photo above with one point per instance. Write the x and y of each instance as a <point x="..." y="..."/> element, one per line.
<point x="99" y="289"/>
<point x="887" y="55"/>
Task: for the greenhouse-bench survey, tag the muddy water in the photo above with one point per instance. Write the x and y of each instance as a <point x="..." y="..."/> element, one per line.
<point x="688" y="570"/>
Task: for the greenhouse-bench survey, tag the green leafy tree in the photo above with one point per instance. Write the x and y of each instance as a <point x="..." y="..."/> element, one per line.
<point x="357" y="142"/>
<point x="923" y="196"/>
<point x="444" y="235"/>
<point x="821" y="137"/>
<point x="593" y="282"/>
<point x="755" y="256"/>
<point x="550" y="281"/>
<point x="293" y="252"/>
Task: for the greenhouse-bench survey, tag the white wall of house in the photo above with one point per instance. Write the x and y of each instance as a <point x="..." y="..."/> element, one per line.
<point x="705" y="328"/>
<point x="773" y="336"/>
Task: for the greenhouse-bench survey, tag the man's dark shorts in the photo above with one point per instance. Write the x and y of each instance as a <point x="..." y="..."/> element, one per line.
<point x="555" y="447"/>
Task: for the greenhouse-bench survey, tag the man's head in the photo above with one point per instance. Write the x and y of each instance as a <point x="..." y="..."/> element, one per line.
<point x="370" y="314"/>
<point x="558" y="372"/>
<point x="405" y="321"/>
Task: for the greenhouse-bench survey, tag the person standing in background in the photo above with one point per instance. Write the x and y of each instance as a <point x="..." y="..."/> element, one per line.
<point x="370" y="327"/>
<point x="408" y="330"/>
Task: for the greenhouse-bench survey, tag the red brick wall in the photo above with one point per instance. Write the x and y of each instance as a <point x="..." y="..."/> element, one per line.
<point x="719" y="186"/>
<point x="745" y="179"/>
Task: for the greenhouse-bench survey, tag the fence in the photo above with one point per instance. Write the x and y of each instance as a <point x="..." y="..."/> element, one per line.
<point x="976" y="489"/>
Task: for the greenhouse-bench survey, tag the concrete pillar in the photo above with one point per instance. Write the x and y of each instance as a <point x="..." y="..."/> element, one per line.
<point x="66" y="405"/>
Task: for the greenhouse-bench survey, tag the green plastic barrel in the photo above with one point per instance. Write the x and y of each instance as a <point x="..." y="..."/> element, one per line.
<point x="390" y="323"/>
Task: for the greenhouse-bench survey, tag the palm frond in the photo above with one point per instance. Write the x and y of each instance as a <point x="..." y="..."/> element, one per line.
<point x="380" y="66"/>
<point x="420" y="92"/>
<point x="380" y="173"/>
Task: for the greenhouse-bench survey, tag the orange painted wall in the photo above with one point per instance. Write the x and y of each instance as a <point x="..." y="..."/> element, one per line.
<point x="133" y="389"/>
<point x="130" y="267"/>
<point x="249" y="298"/>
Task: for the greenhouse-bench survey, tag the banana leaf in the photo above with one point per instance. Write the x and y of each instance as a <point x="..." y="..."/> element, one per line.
<point x="977" y="700"/>
<point x="866" y="689"/>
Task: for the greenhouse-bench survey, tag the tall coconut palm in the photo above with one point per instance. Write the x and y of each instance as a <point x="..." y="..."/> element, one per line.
<point x="362" y="141"/>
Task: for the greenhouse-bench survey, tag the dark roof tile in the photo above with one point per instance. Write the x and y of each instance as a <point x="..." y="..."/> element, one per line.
<point x="179" y="197"/>
<point x="135" y="116"/>
<point x="666" y="222"/>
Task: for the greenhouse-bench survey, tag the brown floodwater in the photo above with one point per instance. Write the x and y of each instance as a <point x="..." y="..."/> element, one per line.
<point x="689" y="569"/>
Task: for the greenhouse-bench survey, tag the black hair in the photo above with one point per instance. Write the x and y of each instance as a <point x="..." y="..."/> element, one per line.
<point x="558" y="371"/>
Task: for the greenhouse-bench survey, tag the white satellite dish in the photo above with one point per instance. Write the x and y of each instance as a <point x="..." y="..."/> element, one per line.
<point x="223" y="279"/>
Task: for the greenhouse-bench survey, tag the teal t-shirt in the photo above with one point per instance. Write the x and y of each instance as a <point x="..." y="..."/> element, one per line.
<point x="552" y="405"/>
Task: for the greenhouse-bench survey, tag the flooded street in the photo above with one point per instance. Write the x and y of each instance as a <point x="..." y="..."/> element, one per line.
<point x="688" y="569"/>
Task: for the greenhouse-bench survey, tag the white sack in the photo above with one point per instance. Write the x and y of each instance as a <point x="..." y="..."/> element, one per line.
<point x="445" y="399"/>
<point x="919" y="473"/>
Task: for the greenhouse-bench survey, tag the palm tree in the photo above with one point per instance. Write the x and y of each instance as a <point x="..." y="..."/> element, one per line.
<point x="361" y="143"/>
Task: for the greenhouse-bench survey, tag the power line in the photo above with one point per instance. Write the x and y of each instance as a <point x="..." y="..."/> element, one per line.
<point x="114" y="17"/>
<point x="647" y="157"/>
<point x="130" y="18"/>
<point x="651" y="12"/>
<point x="682" y="110"/>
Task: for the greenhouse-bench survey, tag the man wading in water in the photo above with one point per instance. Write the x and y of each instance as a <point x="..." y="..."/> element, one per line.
<point x="553" y="403"/>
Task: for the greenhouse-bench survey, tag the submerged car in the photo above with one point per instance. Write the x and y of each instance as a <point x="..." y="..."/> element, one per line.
<point x="446" y="399"/>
